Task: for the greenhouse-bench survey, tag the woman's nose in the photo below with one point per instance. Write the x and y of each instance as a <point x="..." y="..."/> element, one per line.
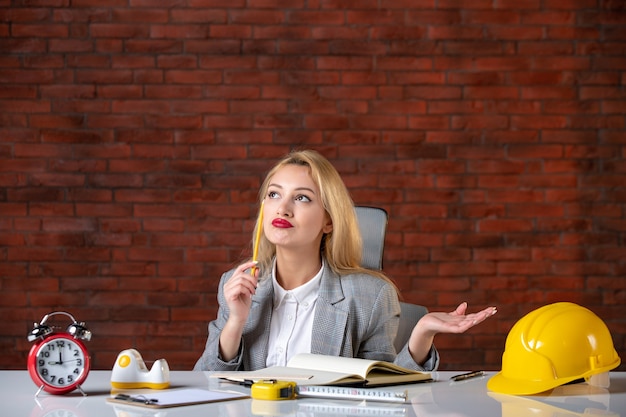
<point x="284" y="209"/>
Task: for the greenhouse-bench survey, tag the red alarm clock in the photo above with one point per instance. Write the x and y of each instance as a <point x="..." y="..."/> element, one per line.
<point x="59" y="362"/>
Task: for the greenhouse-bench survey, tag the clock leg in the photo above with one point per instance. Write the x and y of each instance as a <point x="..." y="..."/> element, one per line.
<point x="38" y="391"/>
<point x="78" y="387"/>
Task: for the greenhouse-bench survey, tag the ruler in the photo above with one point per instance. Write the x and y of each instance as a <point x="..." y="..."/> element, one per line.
<point x="348" y="393"/>
<point x="323" y="407"/>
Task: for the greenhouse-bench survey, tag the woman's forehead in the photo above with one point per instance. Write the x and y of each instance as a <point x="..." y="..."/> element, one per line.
<point x="293" y="176"/>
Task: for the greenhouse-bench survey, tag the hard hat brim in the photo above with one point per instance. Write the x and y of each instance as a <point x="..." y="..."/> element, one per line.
<point x="502" y="384"/>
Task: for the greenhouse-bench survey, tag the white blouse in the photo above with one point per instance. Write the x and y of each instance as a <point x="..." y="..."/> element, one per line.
<point x="292" y="320"/>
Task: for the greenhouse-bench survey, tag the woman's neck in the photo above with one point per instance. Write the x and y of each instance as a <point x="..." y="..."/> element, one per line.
<point x="293" y="269"/>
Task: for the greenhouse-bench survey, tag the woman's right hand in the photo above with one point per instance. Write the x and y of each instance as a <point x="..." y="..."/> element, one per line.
<point x="238" y="291"/>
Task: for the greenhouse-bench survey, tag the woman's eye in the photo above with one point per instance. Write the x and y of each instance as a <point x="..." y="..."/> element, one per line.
<point x="303" y="198"/>
<point x="272" y="194"/>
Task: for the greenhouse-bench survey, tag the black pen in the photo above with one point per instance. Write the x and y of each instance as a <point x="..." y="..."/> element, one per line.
<point x="246" y="382"/>
<point x="137" y="399"/>
<point x="468" y="375"/>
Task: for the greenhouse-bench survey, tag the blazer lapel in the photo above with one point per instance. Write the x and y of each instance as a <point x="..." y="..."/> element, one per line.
<point x="329" y="324"/>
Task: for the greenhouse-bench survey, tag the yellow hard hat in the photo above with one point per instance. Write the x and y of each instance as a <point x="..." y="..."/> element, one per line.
<point x="551" y="346"/>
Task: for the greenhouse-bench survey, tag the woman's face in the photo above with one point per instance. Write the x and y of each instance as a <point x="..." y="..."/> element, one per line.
<point x="293" y="216"/>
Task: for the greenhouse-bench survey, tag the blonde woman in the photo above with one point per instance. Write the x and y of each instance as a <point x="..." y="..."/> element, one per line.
<point x="308" y="292"/>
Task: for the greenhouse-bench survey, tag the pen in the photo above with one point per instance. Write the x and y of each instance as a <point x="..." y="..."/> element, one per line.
<point x="137" y="399"/>
<point x="246" y="382"/>
<point x="257" y="239"/>
<point x="468" y="375"/>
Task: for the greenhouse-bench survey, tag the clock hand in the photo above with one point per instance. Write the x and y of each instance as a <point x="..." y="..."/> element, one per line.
<point x="59" y="362"/>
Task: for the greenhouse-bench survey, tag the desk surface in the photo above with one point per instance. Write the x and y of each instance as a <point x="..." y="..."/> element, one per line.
<point x="439" y="398"/>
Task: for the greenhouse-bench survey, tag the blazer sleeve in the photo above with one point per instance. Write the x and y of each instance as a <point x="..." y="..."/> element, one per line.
<point x="405" y="359"/>
<point x="210" y="359"/>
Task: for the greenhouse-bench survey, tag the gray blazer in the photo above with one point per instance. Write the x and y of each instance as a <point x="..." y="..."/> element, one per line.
<point x="356" y="315"/>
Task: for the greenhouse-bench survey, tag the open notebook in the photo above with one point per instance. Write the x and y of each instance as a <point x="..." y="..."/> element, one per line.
<point x="313" y="369"/>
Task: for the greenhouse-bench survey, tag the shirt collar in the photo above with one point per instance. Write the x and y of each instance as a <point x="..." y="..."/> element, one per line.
<point x="306" y="292"/>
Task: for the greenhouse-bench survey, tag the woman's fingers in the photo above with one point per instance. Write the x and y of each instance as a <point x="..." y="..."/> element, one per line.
<point x="242" y="283"/>
<point x="457" y="321"/>
<point x="461" y="309"/>
<point x="481" y="316"/>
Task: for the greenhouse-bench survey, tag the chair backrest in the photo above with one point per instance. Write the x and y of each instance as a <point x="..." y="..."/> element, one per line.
<point x="410" y="314"/>
<point x="373" y="226"/>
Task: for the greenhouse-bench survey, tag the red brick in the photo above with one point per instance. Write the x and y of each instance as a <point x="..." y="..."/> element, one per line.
<point x="516" y="32"/>
<point x="454" y="32"/>
<point x="40" y="30"/>
<point x="549" y="17"/>
<point x="198" y="15"/>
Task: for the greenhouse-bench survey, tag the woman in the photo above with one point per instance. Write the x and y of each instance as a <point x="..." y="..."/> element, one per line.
<point x="308" y="292"/>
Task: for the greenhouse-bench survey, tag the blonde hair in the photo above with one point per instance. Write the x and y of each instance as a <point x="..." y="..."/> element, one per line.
<point x="341" y="248"/>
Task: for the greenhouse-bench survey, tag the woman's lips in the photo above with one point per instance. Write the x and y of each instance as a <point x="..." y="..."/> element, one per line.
<point x="281" y="223"/>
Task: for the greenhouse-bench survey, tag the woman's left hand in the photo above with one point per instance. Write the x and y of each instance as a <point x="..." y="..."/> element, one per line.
<point x="456" y="321"/>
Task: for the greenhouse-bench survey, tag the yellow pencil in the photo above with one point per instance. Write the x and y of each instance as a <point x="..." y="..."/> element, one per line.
<point x="257" y="239"/>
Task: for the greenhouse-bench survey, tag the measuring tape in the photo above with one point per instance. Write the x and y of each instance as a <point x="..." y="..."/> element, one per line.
<point x="273" y="390"/>
<point x="287" y="390"/>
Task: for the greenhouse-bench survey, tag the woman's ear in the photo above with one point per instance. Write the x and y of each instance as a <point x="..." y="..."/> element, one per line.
<point x="328" y="225"/>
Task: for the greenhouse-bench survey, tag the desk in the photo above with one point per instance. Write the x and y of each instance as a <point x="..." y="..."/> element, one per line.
<point x="440" y="398"/>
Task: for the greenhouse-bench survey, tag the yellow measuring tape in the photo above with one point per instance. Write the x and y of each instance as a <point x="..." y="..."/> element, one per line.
<point x="273" y="390"/>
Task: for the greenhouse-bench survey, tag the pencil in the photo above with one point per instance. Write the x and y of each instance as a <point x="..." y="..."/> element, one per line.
<point x="257" y="239"/>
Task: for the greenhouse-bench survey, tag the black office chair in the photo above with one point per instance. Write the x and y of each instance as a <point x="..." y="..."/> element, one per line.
<point x="373" y="226"/>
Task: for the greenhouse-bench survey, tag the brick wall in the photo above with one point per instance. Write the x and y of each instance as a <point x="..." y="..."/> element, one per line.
<point x="134" y="135"/>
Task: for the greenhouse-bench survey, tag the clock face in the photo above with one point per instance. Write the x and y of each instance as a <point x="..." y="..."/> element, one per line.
<point x="60" y="363"/>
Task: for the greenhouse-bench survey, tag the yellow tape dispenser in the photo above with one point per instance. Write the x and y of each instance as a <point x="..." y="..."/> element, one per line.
<point x="130" y="372"/>
<point x="273" y="390"/>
